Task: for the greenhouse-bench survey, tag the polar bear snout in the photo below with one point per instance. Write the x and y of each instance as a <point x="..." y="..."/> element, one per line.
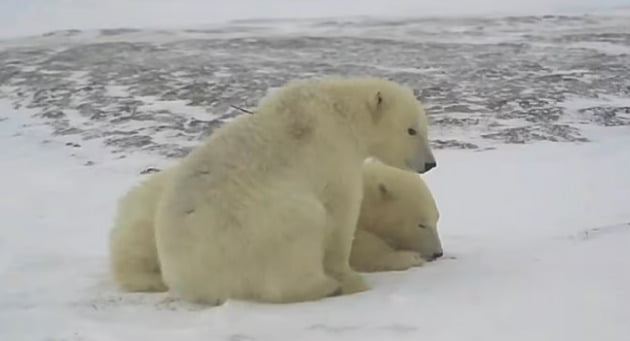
<point x="421" y="167"/>
<point x="422" y="162"/>
<point x="429" y="165"/>
<point x="435" y="256"/>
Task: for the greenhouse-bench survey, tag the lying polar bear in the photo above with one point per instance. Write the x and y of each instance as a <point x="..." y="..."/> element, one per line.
<point x="397" y="227"/>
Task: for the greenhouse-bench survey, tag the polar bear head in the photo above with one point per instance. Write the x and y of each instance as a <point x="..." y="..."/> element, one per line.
<point x="386" y="119"/>
<point x="399" y="207"/>
<point x="397" y="128"/>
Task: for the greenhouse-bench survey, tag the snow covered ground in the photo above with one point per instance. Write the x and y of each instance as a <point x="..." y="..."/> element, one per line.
<point x="531" y="124"/>
<point x="536" y="240"/>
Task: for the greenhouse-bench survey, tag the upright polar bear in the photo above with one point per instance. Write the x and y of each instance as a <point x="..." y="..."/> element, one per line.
<point x="266" y="208"/>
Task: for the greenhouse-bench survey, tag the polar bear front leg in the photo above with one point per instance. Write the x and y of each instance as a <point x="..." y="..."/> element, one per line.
<point x="339" y="246"/>
<point x="370" y="253"/>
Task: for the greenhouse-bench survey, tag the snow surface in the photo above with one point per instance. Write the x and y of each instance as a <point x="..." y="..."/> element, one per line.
<point x="536" y="239"/>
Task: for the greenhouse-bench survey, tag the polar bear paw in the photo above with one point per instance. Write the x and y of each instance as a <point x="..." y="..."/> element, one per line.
<point x="399" y="261"/>
<point x="353" y="283"/>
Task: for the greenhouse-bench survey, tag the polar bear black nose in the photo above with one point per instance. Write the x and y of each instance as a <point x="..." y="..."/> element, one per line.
<point x="429" y="165"/>
<point x="438" y="255"/>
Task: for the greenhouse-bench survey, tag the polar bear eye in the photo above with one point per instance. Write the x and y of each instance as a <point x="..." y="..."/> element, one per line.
<point x="412" y="131"/>
<point x="422" y="226"/>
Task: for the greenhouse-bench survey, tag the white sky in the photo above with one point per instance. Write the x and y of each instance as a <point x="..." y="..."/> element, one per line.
<point x="19" y="17"/>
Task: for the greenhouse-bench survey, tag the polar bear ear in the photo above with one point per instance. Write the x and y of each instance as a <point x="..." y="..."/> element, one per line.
<point x="385" y="193"/>
<point x="376" y="106"/>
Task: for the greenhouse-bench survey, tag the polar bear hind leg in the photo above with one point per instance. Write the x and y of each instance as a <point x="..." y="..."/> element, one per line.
<point x="275" y="264"/>
<point x="133" y="261"/>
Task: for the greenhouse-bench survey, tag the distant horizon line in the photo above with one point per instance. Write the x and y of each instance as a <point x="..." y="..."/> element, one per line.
<point x="612" y="11"/>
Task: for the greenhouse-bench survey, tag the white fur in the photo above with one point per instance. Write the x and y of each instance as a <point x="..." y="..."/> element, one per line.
<point x="397" y="227"/>
<point x="133" y="255"/>
<point x="266" y="208"/>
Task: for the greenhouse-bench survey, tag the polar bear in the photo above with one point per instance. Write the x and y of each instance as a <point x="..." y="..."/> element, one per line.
<point x="266" y="208"/>
<point x="397" y="226"/>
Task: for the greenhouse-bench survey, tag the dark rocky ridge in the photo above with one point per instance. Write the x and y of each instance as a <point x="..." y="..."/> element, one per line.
<point x="485" y="81"/>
